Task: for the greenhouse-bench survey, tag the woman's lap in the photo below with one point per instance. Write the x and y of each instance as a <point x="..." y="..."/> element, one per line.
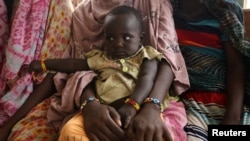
<point x="204" y="108"/>
<point x="174" y="117"/>
<point x="34" y="125"/>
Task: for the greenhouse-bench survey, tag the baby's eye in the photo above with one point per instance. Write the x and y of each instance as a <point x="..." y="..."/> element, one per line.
<point x="110" y="38"/>
<point x="127" y="38"/>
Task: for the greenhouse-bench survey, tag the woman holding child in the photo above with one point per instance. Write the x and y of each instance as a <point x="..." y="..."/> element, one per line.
<point x="87" y="35"/>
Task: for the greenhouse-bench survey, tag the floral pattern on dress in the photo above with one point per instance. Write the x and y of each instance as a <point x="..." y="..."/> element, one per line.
<point x="34" y="126"/>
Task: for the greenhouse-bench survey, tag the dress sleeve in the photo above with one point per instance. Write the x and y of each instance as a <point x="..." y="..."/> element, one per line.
<point x="150" y="53"/>
<point x="160" y="33"/>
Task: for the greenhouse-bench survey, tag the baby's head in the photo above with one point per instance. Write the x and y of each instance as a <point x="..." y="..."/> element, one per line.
<point x="123" y="32"/>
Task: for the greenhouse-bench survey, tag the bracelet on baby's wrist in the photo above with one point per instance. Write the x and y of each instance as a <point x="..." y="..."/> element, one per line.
<point x="43" y="66"/>
<point x="154" y="101"/>
<point x="133" y="103"/>
<point x="85" y="102"/>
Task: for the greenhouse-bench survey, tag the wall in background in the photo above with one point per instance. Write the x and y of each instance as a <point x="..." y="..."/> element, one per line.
<point x="245" y="4"/>
<point x="241" y="2"/>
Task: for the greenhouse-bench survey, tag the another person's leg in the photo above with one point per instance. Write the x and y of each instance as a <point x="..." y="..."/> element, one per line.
<point x="203" y="109"/>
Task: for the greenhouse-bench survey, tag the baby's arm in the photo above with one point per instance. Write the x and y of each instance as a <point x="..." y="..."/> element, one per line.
<point x="143" y="87"/>
<point x="150" y="112"/>
<point x="59" y="65"/>
<point x="145" y="80"/>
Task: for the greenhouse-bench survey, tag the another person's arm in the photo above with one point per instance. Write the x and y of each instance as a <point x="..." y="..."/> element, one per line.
<point x="41" y="92"/>
<point x="235" y="85"/>
<point x="59" y="65"/>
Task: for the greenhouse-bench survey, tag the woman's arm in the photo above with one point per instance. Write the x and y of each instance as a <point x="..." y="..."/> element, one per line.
<point x="60" y="65"/>
<point x="101" y="122"/>
<point x="41" y="92"/>
<point x="235" y="85"/>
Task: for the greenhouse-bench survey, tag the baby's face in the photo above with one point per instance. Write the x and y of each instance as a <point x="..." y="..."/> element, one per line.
<point x="122" y="35"/>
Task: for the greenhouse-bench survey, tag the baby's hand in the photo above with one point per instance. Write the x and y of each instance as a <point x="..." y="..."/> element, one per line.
<point x="127" y="112"/>
<point x="35" y="67"/>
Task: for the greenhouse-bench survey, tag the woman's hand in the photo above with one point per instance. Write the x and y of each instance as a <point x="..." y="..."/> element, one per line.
<point x="148" y="125"/>
<point x="102" y="123"/>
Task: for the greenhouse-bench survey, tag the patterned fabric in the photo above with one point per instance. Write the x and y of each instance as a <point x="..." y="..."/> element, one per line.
<point x="206" y="108"/>
<point x="4" y="35"/>
<point x="159" y="34"/>
<point x="58" y="31"/>
<point x="174" y="118"/>
<point x="207" y="72"/>
<point x="51" y="29"/>
<point x="223" y="10"/>
<point x="34" y="126"/>
<point x="121" y="72"/>
<point x="26" y="34"/>
<point x="201" y="46"/>
<point x="163" y="36"/>
<point x="230" y="16"/>
<point x="234" y="28"/>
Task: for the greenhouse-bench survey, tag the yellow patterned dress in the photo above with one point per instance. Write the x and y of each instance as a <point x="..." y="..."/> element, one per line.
<point x="116" y="78"/>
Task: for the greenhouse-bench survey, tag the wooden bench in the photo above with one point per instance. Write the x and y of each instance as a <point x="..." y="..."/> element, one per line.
<point x="247" y="22"/>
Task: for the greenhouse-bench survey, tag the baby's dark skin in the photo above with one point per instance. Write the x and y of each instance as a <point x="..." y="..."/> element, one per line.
<point x="120" y="121"/>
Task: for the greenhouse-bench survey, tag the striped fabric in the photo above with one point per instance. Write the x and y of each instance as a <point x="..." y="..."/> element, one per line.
<point x="201" y="45"/>
<point x="203" y="53"/>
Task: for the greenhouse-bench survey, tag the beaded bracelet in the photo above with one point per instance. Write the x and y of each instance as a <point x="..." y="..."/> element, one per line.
<point x="44" y="68"/>
<point x="154" y="101"/>
<point x="85" y="102"/>
<point x="133" y="103"/>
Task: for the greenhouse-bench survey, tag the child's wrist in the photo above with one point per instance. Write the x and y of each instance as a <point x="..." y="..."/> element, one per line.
<point x="133" y="103"/>
<point x="154" y="101"/>
<point x="87" y="101"/>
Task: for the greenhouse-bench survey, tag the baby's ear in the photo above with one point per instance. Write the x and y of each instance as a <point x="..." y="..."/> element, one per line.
<point x="142" y="36"/>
